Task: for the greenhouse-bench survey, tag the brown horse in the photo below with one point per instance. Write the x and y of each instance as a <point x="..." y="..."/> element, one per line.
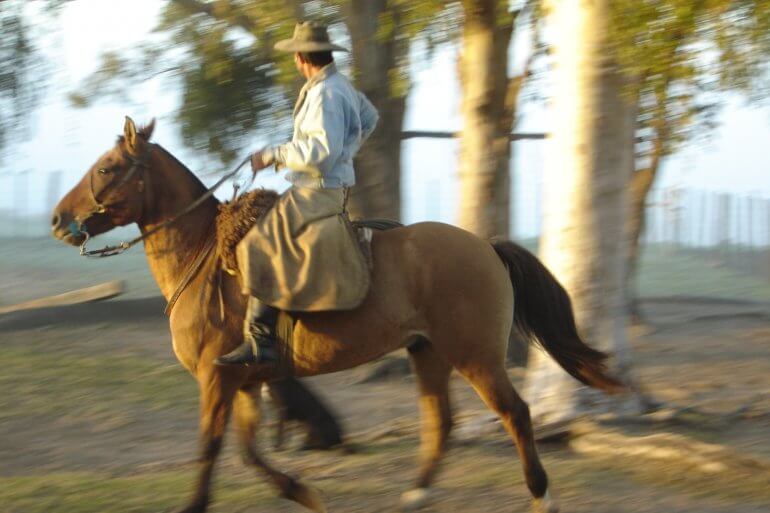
<point x="441" y="292"/>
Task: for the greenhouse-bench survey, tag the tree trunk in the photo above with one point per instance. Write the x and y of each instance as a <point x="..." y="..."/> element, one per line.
<point x="484" y="143"/>
<point x="586" y="174"/>
<point x="640" y="186"/>
<point x="378" y="166"/>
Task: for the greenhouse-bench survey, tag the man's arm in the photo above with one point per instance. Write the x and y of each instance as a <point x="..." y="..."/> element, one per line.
<point x="319" y="139"/>
<point x="369" y="116"/>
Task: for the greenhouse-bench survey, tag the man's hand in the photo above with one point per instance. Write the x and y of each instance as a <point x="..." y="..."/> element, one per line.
<point x="259" y="161"/>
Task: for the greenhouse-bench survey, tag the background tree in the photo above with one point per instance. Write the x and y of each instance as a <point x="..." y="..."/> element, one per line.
<point x="683" y="55"/>
<point x="670" y="58"/>
<point x="586" y="173"/>
<point x="489" y="101"/>
<point x="234" y="85"/>
<point x="22" y="76"/>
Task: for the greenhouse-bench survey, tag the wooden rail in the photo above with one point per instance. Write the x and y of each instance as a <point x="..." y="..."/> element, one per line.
<point x="96" y="293"/>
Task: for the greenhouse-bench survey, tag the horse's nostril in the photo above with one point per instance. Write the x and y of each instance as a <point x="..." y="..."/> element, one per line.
<point x="55" y="221"/>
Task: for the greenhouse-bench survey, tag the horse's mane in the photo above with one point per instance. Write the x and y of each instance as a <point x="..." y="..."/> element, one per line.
<point x="181" y="164"/>
<point x="235" y="219"/>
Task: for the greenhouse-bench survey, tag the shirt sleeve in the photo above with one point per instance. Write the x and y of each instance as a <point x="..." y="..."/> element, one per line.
<point x="369" y="116"/>
<point x="319" y="138"/>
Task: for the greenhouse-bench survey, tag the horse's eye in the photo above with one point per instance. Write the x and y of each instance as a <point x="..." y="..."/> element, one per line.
<point x="102" y="171"/>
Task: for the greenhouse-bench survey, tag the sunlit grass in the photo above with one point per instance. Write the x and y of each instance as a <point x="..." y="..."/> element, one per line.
<point x="37" y="381"/>
<point x="149" y="492"/>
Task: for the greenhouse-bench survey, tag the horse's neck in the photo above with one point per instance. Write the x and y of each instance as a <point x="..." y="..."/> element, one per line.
<point x="170" y="188"/>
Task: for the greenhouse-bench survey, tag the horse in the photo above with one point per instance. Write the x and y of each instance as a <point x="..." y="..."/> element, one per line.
<point x="442" y="293"/>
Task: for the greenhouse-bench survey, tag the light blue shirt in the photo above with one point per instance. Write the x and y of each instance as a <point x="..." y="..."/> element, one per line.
<point x="331" y="122"/>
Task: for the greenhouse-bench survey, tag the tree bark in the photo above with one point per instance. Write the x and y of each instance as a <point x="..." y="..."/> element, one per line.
<point x="378" y="166"/>
<point x="586" y="175"/>
<point x="485" y="149"/>
<point x="640" y="186"/>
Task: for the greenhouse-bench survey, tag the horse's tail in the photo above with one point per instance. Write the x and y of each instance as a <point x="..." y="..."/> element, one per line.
<point x="543" y="310"/>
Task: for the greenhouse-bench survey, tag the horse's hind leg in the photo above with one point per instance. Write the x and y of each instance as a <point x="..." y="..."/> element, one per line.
<point x="432" y="372"/>
<point x="495" y="389"/>
<point x="246" y="421"/>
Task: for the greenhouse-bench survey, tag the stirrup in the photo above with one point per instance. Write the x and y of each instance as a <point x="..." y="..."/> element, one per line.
<point x="251" y="352"/>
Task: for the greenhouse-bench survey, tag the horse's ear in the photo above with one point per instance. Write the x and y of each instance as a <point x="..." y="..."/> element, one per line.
<point x="129" y="132"/>
<point x="146" y="131"/>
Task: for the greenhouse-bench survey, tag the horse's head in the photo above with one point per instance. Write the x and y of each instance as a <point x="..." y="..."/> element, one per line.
<point x="110" y="194"/>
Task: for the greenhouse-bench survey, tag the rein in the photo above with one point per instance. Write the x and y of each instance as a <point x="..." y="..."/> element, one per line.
<point x="192" y="271"/>
<point x="100" y="208"/>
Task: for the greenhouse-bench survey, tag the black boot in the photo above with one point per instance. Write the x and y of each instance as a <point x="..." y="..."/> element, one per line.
<point x="259" y="339"/>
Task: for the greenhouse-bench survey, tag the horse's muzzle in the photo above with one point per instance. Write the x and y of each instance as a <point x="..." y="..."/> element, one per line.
<point x="69" y="233"/>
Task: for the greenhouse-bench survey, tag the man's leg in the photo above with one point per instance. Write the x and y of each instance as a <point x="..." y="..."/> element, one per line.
<point x="259" y="339"/>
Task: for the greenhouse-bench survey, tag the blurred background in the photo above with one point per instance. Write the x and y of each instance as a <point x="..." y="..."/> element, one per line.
<point x="625" y="142"/>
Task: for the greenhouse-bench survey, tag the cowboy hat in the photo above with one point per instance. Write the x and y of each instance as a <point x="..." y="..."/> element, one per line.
<point x="309" y="36"/>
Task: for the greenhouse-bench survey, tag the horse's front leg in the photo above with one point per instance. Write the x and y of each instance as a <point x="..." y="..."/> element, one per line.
<point x="217" y="390"/>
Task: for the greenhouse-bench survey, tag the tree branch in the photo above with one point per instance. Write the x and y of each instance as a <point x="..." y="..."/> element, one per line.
<point x="198" y="7"/>
<point x="513" y="91"/>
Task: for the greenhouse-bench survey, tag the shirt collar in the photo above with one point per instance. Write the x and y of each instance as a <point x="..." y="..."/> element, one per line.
<point x="322" y="75"/>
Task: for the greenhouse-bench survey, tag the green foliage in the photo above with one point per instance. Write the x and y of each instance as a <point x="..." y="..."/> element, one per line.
<point x="679" y="54"/>
<point x="18" y="91"/>
<point x="233" y="84"/>
<point x="23" y="73"/>
<point x="219" y="55"/>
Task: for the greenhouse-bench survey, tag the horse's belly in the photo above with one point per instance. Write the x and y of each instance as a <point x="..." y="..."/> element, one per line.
<point x="386" y="320"/>
<point x="321" y="351"/>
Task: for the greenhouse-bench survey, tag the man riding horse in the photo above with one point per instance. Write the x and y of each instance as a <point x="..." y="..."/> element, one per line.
<point x="301" y="256"/>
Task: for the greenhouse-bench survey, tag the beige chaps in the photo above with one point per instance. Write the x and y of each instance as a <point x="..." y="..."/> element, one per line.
<point x="303" y="255"/>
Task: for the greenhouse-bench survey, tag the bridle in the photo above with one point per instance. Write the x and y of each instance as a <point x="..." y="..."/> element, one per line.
<point x="78" y="226"/>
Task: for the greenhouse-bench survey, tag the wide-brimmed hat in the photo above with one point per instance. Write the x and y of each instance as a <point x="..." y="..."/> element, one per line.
<point x="309" y="36"/>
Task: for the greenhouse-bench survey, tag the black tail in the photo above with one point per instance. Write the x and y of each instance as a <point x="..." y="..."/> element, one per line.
<point x="543" y="310"/>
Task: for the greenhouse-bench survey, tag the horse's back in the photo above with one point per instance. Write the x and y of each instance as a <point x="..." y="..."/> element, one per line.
<point x="428" y="279"/>
<point x="451" y="255"/>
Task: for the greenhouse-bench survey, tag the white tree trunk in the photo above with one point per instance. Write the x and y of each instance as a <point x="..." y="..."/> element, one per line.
<point x="586" y="173"/>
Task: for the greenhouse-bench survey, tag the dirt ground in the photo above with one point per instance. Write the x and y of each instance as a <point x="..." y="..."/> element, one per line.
<point x="96" y="416"/>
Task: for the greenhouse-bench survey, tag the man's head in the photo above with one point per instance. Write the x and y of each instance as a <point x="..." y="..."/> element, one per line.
<point x="309" y="63"/>
<point x="311" y="47"/>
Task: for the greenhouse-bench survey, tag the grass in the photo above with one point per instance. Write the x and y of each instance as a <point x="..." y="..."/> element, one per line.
<point x="151" y="492"/>
<point x="44" y="383"/>
<point x="663" y="273"/>
<point x="370" y="481"/>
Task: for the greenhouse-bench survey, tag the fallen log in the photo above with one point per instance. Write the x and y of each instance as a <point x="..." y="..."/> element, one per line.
<point x="99" y="292"/>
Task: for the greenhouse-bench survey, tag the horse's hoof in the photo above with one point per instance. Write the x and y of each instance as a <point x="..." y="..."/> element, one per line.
<point x="415" y="499"/>
<point x="545" y="504"/>
<point x="307" y="496"/>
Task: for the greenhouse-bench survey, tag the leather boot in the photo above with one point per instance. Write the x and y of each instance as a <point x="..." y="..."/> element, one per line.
<point x="259" y="339"/>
